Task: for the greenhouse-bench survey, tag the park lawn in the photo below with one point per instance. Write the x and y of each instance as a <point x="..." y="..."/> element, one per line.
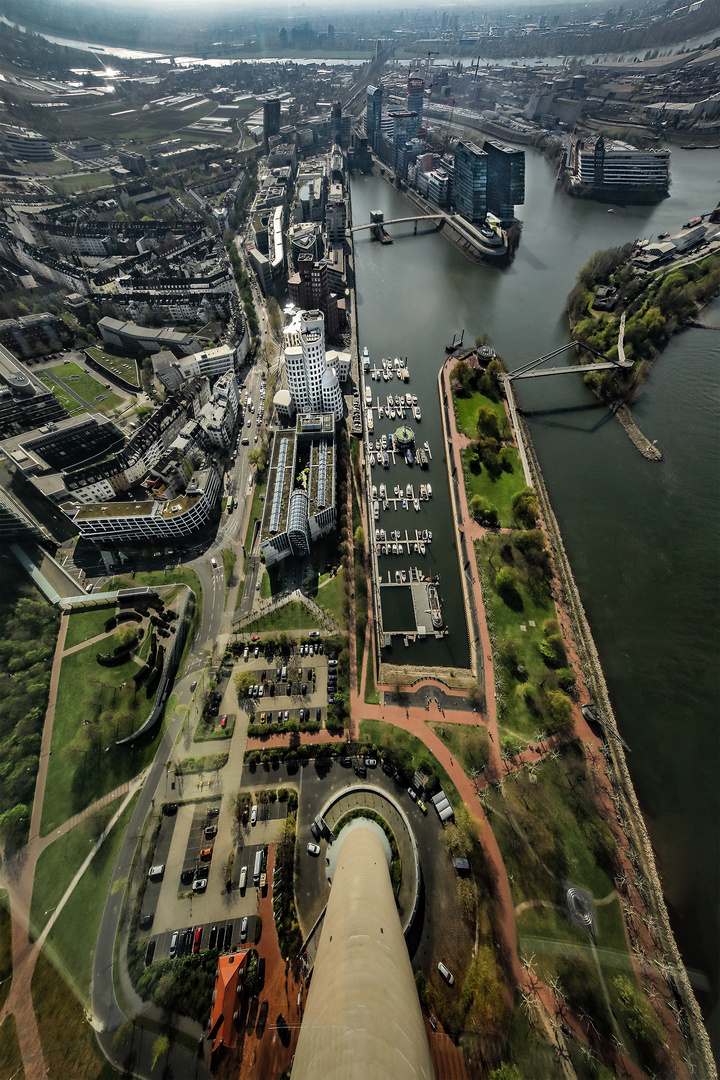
<point x="91" y="697"/>
<point x="178" y="574"/>
<point x="66" y="185"/>
<point x="209" y="728"/>
<point x="68" y="402"/>
<point x="11" y="1063"/>
<point x="469" y="744"/>
<point x="83" y="384"/>
<point x="372" y="697"/>
<point x="467" y="409"/>
<point x="291" y="616"/>
<point x="256" y="511"/>
<point x="514" y="716"/>
<point x="331" y="596"/>
<point x="499" y="491"/>
<point x="412" y="752"/>
<point x="123" y="366"/>
<point x="209" y="763"/>
<point x="265" y="586"/>
<point x="83" y="625"/>
<point x="6" y="965"/>
<point x="229" y="558"/>
<point x="69" y="1044"/>
<point x="71" y="942"/>
<point x="59" y="863"/>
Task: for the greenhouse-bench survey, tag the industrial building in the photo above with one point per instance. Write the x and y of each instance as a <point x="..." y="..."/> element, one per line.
<point x="300" y="497"/>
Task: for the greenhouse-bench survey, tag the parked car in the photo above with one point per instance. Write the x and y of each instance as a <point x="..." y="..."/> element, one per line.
<point x="371" y="762"/>
<point x="211" y="830"/>
<point x="318" y="714"/>
<point x="155" y="873"/>
<point x="223" y="720"/>
<point x="447" y="975"/>
<point x="313" y="849"/>
<point x="253" y="814"/>
<point x="170" y="808"/>
<point x="314" y="830"/>
<point x="197" y="939"/>
<point x="244" y="929"/>
<point x="346" y="762"/>
<point x="243" y="877"/>
<point x="213" y="938"/>
<point x="412" y="794"/>
<point x="206" y="854"/>
<point x="173" y="945"/>
<point x="213" y="811"/>
<point x="187" y="876"/>
<point x="200" y="886"/>
<point x="146" y="921"/>
<point x="387" y="769"/>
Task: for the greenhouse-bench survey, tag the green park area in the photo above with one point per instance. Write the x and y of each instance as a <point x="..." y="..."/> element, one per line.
<point x="466" y="742"/>
<point x="67" y="185"/>
<point x="58" y="864"/>
<point x="93" y="395"/>
<point x="407" y="753"/>
<point x="84" y="625"/>
<point x="291" y="616"/>
<point x="496" y="488"/>
<point x="467" y="404"/>
<point x="71" y="942"/>
<point x="97" y="704"/>
<point x="331" y="595"/>
<point x="123" y="366"/>
<point x="551" y="835"/>
<point x="531" y="670"/>
<point x="11" y="1064"/>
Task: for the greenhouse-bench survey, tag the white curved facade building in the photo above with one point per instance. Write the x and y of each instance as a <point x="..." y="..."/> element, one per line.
<point x="308" y="368"/>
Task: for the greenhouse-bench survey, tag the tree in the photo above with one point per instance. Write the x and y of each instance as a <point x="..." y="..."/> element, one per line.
<point x="525" y="507"/>
<point x="243" y="681"/>
<point x="506" y="1071"/>
<point x="160" y="1046"/>
<point x="559" y="711"/>
<point x="487" y="423"/>
<point x="507" y="583"/>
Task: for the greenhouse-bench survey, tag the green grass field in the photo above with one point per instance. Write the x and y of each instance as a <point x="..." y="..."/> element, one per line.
<point x="59" y="863"/>
<point x="208" y="763"/>
<point x="83" y="625"/>
<point x="499" y="491"/>
<point x="514" y="715"/>
<point x="412" y="753"/>
<point x="292" y="616"/>
<point x="66" y="185"/>
<point x="467" y="409"/>
<point x="123" y="366"/>
<point x="5" y="948"/>
<point x="96" y="397"/>
<point x="331" y="596"/>
<point x="11" y="1064"/>
<point x="69" y="1045"/>
<point x="68" y="402"/>
<point x="470" y="745"/>
<point x="71" y="942"/>
<point x="95" y="705"/>
<point x="371" y="695"/>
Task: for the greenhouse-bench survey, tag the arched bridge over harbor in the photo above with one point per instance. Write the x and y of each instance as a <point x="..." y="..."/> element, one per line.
<point x="402" y="220"/>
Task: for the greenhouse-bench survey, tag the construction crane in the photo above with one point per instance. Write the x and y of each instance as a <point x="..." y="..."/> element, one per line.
<point x="430" y="52"/>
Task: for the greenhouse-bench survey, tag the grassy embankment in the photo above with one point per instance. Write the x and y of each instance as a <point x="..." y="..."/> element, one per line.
<point x="70" y="945"/>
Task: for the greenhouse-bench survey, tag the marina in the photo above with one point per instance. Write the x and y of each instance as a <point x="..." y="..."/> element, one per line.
<point x="417" y="612"/>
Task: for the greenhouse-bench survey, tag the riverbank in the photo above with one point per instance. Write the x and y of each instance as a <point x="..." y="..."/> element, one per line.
<point x="646" y="884"/>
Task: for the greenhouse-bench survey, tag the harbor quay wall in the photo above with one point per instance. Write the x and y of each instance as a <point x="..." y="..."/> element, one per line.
<point x="647" y="877"/>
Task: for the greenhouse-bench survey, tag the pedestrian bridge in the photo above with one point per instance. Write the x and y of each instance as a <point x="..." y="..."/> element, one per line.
<point x="401" y="220"/>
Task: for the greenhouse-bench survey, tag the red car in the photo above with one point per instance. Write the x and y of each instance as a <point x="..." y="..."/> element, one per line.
<point x="223" y="720"/>
<point x="255" y="637"/>
<point x="196" y="942"/>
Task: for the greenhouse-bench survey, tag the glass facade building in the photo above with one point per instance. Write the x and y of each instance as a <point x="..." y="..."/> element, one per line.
<point x="470" y="181"/>
<point x="505" y="179"/>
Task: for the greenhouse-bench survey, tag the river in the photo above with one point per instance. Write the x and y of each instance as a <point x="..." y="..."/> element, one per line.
<point x="641" y="536"/>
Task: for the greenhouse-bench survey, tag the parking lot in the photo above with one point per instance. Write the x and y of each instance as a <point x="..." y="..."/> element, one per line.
<point x="308" y="685"/>
<point x="191" y="854"/>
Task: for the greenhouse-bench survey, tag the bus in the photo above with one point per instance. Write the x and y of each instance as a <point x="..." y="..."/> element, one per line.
<point x="258" y="867"/>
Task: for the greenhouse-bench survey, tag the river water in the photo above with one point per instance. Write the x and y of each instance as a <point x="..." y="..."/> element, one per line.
<point x="642" y="537"/>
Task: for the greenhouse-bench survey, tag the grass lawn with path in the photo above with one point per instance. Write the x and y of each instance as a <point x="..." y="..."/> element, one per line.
<point x="68" y="184"/>
<point x="470" y="745"/>
<point x="499" y="491"/>
<point x="11" y="1063"/>
<point x="468" y="407"/>
<point x="291" y="616"/>
<point x="95" y="705"/>
<point x="69" y="1045"/>
<point x="331" y="596"/>
<point x="412" y="753"/>
<point x="514" y="715"/>
<point x="209" y="763"/>
<point x="59" y="863"/>
<point x="71" y="942"/>
<point x="5" y="947"/>
<point x="84" y="625"/>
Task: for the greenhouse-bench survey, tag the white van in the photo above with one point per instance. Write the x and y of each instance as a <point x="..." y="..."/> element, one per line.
<point x="258" y="867"/>
<point x="283" y="674"/>
<point x="243" y="877"/>
<point x="156" y="872"/>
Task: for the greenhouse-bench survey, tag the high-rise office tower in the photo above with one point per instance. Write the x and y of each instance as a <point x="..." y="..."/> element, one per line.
<point x="271" y="119"/>
<point x="470" y="181"/>
<point x="404" y="130"/>
<point x="373" y="116"/>
<point x="505" y="179"/>
<point x="312" y="381"/>
<point x="415" y="98"/>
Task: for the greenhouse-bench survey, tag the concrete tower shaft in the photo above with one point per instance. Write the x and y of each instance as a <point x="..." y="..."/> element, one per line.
<point x="363" y="1016"/>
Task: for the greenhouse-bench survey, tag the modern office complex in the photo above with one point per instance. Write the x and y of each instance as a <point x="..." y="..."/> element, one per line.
<point x="362" y="1016"/>
<point x="373" y="116"/>
<point x="300" y="497"/>
<point x="616" y="167"/>
<point x="405" y="126"/>
<point x="152" y="519"/>
<point x="470" y="181"/>
<point x="505" y="179"/>
<point x="415" y="97"/>
<point x="136" y="339"/>
<point x="312" y="380"/>
<point x="271" y="119"/>
<point x="173" y="373"/>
